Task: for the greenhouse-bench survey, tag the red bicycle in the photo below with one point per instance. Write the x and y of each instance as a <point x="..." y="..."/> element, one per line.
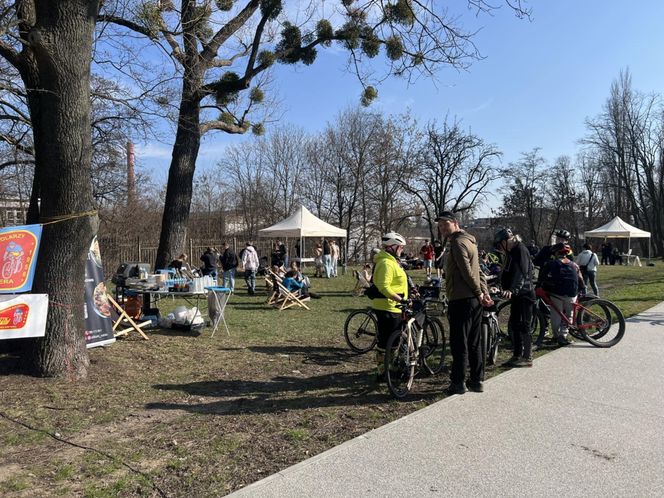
<point x="597" y="321"/>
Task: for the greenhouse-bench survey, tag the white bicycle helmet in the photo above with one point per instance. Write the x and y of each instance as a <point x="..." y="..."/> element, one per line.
<point x="393" y="239"/>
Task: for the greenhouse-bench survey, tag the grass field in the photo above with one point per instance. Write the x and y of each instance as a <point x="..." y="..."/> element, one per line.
<point x="183" y="415"/>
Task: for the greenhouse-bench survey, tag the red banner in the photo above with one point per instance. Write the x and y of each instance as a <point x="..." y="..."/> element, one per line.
<point x="18" y="252"/>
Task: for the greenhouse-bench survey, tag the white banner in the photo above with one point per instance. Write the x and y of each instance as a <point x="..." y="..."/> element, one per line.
<point x="23" y="315"/>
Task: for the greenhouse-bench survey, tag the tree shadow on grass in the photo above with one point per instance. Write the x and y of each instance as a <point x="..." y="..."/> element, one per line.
<point x="285" y="393"/>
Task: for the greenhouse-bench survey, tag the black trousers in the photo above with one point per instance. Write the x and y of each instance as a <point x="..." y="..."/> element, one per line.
<point x="465" y="317"/>
<point x="388" y="323"/>
<point x="521" y="316"/>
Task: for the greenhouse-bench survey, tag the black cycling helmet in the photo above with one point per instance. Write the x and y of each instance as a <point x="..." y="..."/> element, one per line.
<point x="563" y="234"/>
<point x="502" y="234"/>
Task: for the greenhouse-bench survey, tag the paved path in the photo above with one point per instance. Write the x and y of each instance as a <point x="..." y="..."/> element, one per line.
<point x="582" y="422"/>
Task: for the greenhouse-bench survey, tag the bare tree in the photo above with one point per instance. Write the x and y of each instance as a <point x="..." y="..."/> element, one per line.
<point x="454" y="171"/>
<point x="525" y="200"/>
<point x="223" y="47"/>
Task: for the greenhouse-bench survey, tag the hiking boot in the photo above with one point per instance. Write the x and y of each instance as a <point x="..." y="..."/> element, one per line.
<point x="476" y="387"/>
<point x="455" y="389"/>
<point x="523" y="363"/>
<point x="511" y="362"/>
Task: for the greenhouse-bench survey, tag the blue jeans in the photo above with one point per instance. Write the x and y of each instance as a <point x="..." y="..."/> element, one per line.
<point x="327" y="263"/>
<point x="590" y="277"/>
<point x="250" y="279"/>
<point x="229" y="279"/>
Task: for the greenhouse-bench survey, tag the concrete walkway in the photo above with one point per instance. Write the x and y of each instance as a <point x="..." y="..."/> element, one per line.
<point x="582" y="422"/>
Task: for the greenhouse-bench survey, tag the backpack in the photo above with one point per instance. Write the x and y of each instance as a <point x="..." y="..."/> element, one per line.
<point x="561" y="278"/>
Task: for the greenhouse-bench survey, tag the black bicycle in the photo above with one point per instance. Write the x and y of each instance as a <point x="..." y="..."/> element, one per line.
<point x="491" y="333"/>
<point x="361" y="326"/>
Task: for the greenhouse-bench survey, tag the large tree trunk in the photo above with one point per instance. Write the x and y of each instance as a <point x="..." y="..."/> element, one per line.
<point x="57" y="78"/>
<point x="181" y="175"/>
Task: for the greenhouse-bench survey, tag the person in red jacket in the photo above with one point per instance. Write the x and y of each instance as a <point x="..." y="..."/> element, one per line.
<point x="427" y="255"/>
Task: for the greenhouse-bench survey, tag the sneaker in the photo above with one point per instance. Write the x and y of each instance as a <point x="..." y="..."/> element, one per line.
<point x="476" y="387"/>
<point x="455" y="389"/>
<point x="563" y="341"/>
<point x="524" y="363"/>
<point x="511" y="362"/>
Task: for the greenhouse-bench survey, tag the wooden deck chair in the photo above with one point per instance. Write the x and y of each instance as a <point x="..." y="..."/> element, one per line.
<point x="288" y="299"/>
<point x="271" y="280"/>
<point x="123" y="319"/>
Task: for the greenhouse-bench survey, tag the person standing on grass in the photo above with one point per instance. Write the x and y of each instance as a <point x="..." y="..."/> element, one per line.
<point x="327" y="257"/>
<point x="427" y="253"/>
<point x="516" y="281"/>
<point x="334" y="257"/>
<point x="392" y="283"/>
<point x="250" y="264"/>
<point x="588" y="263"/>
<point x="467" y="292"/>
<point x="229" y="264"/>
<point x="438" y="254"/>
<point x="209" y="259"/>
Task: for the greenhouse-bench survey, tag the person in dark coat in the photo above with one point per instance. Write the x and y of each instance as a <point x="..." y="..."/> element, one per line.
<point x="209" y="259"/>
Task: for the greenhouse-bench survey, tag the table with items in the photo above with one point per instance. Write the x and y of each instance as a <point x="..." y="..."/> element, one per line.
<point x="197" y="293"/>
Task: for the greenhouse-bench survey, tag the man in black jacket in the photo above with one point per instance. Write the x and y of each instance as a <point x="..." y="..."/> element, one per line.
<point x="229" y="263"/>
<point x="517" y="283"/>
<point x="209" y="259"/>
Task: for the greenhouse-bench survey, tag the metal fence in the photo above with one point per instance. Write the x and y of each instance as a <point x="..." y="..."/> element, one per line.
<point x="115" y="251"/>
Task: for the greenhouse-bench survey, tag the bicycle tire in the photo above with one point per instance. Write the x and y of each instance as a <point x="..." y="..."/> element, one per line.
<point x="433" y="346"/>
<point x="493" y="342"/>
<point x="577" y="334"/>
<point x="399" y="367"/>
<point x="484" y="339"/>
<point x="601" y="323"/>
<point x="361" y="331"/>
<point x="537" y="323"/>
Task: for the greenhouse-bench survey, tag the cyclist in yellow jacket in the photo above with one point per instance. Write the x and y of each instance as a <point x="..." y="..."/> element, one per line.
<point x="392" y="282"/>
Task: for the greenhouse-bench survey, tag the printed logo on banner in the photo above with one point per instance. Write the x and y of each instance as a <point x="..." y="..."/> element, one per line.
<point x="18" y="257"/>
<point x="14" y="317"/>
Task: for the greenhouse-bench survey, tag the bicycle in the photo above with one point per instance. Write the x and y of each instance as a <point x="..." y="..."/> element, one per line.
<point x="416" y="347"/>
<point x="539" y="321"/>
<point x="361" y="330"/>
<point x="361" y="326"/>
<point x="592" y="320"/>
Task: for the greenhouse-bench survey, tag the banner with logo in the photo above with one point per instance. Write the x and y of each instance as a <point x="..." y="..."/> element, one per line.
<point x="98" y="322"/>
<point x="18" y="257"/>
<point x="23" y="315"/>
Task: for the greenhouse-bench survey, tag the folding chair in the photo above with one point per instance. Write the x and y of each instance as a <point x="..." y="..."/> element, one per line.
<point x="287" y="299"/>
<point x="272" y="279"/>
<point x="123" y="317"/>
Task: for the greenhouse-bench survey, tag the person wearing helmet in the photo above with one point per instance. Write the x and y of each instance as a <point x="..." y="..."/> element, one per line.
<point x="467" y="292"/>
<point x="561" y="279"/>
<point x="546" y="254"/>
<point x="516" y="281"/>
<point x="392" y="282"/>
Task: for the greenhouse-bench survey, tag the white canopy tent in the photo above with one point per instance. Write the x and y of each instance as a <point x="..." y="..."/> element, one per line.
<point x="619" y="229"/>
<point x="302" y="223"/>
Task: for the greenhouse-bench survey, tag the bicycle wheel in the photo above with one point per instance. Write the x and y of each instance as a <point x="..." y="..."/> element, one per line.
<point x="361" y="331"/>
<point x="433" y="345"/>
<point x="578" y="333"/>
<point x="493" y="341"/>
<point x="537" y="324"/>
<point x="601" y="322"/>
<point x="399" y="364"/>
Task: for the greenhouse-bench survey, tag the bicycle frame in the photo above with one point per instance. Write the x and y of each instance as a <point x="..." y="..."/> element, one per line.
<point x="576" y="307"/>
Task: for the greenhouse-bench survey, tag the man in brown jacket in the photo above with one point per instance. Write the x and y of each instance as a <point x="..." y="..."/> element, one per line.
<point x="467" y="292"/>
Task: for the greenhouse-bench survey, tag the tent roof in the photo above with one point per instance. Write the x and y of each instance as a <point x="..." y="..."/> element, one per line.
<point x="617" y="228"/>
<point x="302" y="223"/>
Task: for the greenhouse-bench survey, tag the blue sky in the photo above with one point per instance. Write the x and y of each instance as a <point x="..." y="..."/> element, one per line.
<point x="538" y="83"/>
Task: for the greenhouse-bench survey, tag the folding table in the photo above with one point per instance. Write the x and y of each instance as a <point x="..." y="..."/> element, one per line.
<point x="217" y="299"/>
